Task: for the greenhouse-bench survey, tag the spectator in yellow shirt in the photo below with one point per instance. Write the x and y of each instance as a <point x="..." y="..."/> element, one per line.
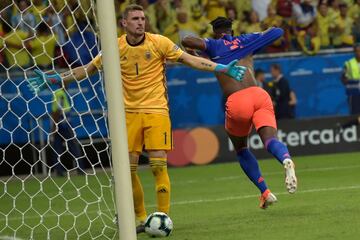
<point x="43" y="46"/>
<point x="55" y="21"/>
<point x="241" y="7"/>
<point x="344" y="37"/>
<point x="188" y="4"/>
<point x="181" y="28"/>
<point x="232" y="14"/>
<point x="272" y="19"/>
<point x="38" y="9"/>
<point x="68" y="21"/>
<point x="150" y="13"/>
<point x="199" y="22"/>
<point x="335" y="21"/>
<point x="354" y="10"/>
<point x="215" y="8"/>
<point x="165" y="15"/>
<point x="72" y="12"/>
<point x="275" y="20"/>
<point x="308" y="40"/>
<point x="252" y="23"/>
<point x="323" y="19"/>
<point x="12" y="42"/>
<point x="22" y="18"/>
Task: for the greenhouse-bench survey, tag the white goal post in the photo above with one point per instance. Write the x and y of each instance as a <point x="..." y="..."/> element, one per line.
<point x="64" y="167"/>
<point x="121" y="166"/>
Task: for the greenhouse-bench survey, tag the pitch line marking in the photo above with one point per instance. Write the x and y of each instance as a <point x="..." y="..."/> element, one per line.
<point x="257" y="195"/>
<point x="265" y="174"/>
<point x="10" y="238"/>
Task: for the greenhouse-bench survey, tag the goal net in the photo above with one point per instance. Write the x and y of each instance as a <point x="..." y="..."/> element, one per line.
<point x="55" y="168"/>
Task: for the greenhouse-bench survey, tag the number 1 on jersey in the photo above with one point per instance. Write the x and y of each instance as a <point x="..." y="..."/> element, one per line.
<point x="137" y="68"/>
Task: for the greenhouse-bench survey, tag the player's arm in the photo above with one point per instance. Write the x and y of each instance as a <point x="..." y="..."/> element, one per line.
<point x="173" y="53"/>
<point x="231" y="69"/>
<point x="78" y="73"/>
<point x="197" y="62"/>
<point x="38" y="83"/>
<point x="191" y="42"/>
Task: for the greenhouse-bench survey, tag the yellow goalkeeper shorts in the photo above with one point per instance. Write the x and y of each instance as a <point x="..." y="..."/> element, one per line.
<point x="150" y="130"/>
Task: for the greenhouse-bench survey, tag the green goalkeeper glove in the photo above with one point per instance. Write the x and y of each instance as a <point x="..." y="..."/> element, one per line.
<point x="38" y="83"/>
<point x="232" y="70"/>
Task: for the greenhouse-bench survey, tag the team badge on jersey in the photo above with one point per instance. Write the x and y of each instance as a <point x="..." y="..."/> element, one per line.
<point x="147" y="55"/>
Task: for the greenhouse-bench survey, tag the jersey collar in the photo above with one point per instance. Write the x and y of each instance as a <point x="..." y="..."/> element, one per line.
<point x="228" y="37"/>
<point x="137" y="44"/>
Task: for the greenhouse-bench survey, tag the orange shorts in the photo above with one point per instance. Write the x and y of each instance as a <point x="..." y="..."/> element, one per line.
<point x="246" y="107"/>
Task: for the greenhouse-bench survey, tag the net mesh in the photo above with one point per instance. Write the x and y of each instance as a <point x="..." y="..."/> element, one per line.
<point x="55" y="168"/>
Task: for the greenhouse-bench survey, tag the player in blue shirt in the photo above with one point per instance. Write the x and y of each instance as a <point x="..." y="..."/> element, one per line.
<point x="247" y="104"/>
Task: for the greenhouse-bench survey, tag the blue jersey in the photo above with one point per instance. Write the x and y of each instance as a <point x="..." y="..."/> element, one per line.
<point x="229" y="48"/>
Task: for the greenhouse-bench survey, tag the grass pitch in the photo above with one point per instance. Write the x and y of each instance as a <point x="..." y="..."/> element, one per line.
<point x="214" y="202"/>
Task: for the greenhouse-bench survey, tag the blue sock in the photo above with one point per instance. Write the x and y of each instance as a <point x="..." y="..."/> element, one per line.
<point x="250" y="166"/>
<point x="277" y="149"/>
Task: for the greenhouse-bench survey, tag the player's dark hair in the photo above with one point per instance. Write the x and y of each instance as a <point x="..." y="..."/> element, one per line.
<point x="276" y="67"/>
<point x="132" y="7"/>
<point x="222" y="24"/>
<point x="259" y="71"/>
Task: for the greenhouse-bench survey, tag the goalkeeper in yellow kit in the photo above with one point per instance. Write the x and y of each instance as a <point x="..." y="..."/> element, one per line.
<point x="142" y="59"/>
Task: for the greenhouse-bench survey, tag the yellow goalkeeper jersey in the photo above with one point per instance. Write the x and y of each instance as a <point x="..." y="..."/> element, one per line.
<point x="143" y="72"/>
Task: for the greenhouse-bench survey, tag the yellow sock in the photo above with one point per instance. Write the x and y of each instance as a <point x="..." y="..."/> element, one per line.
<point x="162" y="183"/>
<point x="138" y="194"/>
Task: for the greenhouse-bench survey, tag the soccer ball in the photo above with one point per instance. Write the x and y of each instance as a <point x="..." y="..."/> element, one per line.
<point x="158" y="224"/>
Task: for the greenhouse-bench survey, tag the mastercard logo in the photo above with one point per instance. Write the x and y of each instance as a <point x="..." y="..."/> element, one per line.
<point x="198" y="146"/>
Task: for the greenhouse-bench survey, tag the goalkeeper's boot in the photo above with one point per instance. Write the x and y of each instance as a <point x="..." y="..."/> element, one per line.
<point x="290" y="177"/>
<point x="267" y="199"/>
<point x="140" y="227"/>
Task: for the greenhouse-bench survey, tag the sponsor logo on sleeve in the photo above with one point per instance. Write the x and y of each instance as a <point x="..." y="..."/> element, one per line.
<point x="175" y="48"/>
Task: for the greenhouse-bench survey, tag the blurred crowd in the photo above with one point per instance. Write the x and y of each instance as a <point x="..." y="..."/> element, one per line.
<point x="37" y="32"/>
<point x="310" y="25"/>
<point x="46" y="33"/>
